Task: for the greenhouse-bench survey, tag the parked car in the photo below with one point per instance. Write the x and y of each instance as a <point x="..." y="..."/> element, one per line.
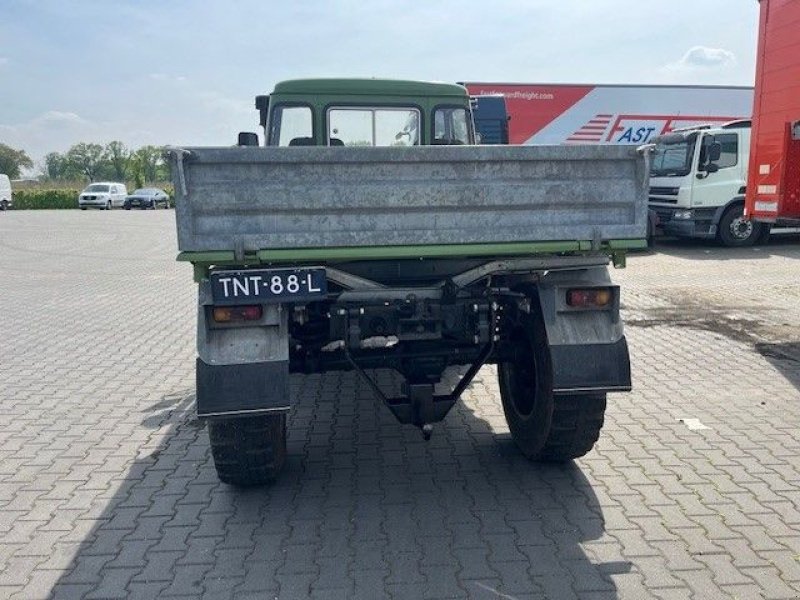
<point x="5" y="192"/>
<point x="147" y="198"/>
<point x="104" y="194"/>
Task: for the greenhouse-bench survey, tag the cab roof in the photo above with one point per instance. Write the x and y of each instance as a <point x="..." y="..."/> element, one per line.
<point x="370" y="87"/>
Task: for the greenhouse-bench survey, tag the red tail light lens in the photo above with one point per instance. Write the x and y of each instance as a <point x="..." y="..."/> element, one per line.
<point x="232" y="314"/>
<point x="589" y="297"/>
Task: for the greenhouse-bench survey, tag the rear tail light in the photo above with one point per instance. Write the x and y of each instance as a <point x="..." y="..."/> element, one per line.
<point x="589" y="297"/>
<point x="233" y="314"/>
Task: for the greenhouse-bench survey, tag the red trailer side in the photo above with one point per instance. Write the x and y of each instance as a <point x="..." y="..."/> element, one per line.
<point x="773" y="186"/>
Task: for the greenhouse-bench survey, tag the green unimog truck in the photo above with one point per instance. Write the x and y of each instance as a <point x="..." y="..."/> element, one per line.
<point x="371" y="232"/>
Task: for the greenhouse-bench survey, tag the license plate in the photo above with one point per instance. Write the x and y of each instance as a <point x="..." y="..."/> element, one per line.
<point x="269" y="285"/>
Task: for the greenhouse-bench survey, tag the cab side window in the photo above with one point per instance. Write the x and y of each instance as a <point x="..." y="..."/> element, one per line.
<point x="729" y="155"/>
<point x="291" y="126"/>
<point x="451" y="126"/>
<point x="730" y="150"/>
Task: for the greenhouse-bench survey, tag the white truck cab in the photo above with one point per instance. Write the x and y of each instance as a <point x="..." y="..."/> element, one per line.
<point x="5" y="192"/>
<point x="697" y="184"/>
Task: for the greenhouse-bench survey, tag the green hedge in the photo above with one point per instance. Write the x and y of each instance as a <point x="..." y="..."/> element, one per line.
<point x="62" y="198"/>
<point x="33" y="199"/>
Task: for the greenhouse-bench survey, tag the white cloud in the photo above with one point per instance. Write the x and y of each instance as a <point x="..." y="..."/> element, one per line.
<point x="49" y="131"/>
<point x="701" y="58"/>
<point x="57" y="118"/>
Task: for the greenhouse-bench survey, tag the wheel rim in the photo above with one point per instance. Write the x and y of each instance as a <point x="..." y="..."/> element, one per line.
<point x="523" y="379"/>
<point x="741" y="229"/>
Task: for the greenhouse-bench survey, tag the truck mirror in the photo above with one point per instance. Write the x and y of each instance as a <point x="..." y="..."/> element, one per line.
<point x="711" y="167"/>
<point x="714" y="152"/>
<point x="796" y="130"/>
<point x="248" y="138"/>
<point x="262" y="105"/>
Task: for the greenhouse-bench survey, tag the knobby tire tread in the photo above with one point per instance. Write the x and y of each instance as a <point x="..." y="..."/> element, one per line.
<point x="248" y="451"/>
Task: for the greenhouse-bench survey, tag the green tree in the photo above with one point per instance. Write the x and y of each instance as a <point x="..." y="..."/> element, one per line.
<point x="118" y="157"/>
<point x="13" y="161"/>
<point x="86" y="159"/>
<point x="148" y="163"/>
<point x="57" y="168"/>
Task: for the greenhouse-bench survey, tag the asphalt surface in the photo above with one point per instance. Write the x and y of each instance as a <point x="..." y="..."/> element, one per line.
<point x="107" y="489"/>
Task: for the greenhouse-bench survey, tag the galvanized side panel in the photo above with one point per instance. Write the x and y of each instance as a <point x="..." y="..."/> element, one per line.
<point x="248" y="199"/>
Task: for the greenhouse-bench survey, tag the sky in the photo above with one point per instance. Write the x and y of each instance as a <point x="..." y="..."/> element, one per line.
<point x="185" y="72"/>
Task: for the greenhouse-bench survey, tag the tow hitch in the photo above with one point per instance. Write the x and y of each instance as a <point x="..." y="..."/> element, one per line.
<point x="465" y="325"/>
<point x="419" y="405"/>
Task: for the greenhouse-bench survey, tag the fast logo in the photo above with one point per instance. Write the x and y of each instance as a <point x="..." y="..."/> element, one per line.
<point x="635" y="129"/>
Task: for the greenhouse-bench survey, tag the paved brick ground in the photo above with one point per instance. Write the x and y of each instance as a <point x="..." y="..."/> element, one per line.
<point x="107" y="489"/>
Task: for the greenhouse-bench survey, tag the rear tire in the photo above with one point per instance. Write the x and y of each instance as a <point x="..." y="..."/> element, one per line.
<point x="543" y="426"/>
<point x="248" y="451"/>
<point x="734" y="231"/>
<point x="526" y="386"/>
<point x="577" y="421"/>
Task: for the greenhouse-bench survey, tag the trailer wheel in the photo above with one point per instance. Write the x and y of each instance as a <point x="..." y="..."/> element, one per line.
<point x="545" y="427"/>
<point x="248" y="451"/>
<point x="735" y="231"/>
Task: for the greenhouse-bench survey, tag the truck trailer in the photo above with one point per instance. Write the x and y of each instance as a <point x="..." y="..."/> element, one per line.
<point x="373" y="233"/>
<point x="546" y="113"/>
<point x="773" y="189"/>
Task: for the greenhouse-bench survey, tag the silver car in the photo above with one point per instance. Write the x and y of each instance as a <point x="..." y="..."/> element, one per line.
<point x="103" y="194"/>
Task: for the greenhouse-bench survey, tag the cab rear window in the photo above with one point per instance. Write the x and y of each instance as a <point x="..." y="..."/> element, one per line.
<point x="373" y="126"/>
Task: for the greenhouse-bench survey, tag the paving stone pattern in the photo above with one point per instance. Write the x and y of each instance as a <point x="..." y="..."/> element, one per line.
<point x="107" y="489"/>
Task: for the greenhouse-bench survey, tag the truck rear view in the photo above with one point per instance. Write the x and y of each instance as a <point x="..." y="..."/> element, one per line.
<point x="773" y="188"/>
<point x="491" y="118"/>
<point x="372" y="233"/>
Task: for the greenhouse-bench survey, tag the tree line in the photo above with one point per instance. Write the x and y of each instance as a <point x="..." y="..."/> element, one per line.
<point x="92" y="162"/>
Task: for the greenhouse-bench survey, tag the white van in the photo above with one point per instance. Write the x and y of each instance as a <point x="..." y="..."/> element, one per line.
<point x="5" y="192"/>
<point x="103" y="194"/>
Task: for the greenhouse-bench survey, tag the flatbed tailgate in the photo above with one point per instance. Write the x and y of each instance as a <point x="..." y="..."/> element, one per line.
<point x="248" y="199"/>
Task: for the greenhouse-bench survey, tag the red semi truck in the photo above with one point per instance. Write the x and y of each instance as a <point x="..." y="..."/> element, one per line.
<point x="773" y="186"/>
<point x="547" y="113"/>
